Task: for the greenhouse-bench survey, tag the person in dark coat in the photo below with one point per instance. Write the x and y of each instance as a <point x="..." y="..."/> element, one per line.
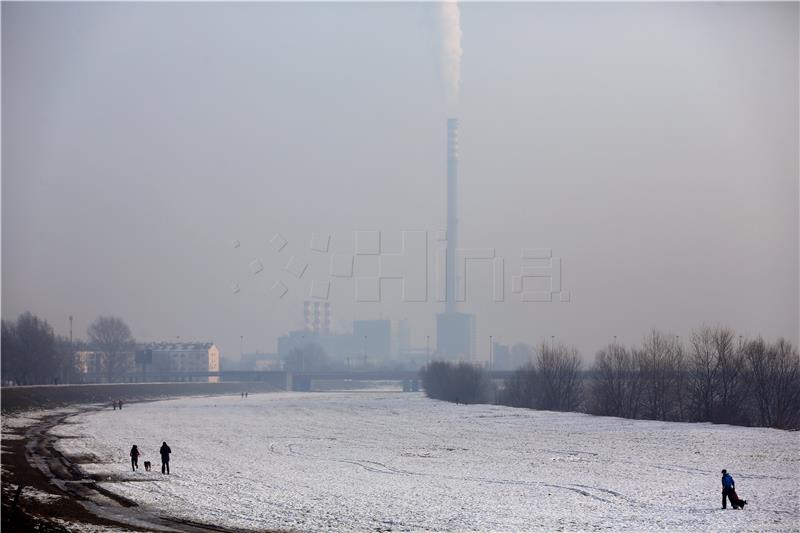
<point x="134" y="458"/>
<point x="729" y="492"/>
<point x="165" y="451"/>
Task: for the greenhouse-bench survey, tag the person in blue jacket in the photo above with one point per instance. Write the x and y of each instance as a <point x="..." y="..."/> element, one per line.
<point x="729" y="491"/>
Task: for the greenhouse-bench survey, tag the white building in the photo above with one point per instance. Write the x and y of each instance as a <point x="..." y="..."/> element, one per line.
<point x="185" y="357"/>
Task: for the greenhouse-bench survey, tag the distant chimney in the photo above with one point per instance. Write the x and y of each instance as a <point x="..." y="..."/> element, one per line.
<point x="452" y="214"/>
<point x="317" y="316"/>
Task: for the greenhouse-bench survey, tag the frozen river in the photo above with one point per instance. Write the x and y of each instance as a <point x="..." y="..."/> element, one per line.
<point x="394" y="461"/>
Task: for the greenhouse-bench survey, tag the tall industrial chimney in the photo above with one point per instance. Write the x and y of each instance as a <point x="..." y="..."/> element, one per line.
<point x="452" y="214"/>
<point x="455" y="332"/>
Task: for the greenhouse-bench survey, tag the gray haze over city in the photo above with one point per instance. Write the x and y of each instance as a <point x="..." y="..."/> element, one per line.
<point x="151" y="152"/>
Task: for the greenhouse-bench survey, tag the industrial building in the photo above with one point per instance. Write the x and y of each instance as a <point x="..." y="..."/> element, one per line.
<point x="375" y="337"/>
<point x="455" y="336"/>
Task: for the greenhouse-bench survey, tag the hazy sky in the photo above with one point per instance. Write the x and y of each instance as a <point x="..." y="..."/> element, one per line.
<point x="652" y="147"/>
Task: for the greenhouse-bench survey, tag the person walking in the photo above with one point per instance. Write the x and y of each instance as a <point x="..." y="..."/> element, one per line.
<point x="729" y="492"/>
<point x="165" y="451"/>
<point x="134" y="458"/>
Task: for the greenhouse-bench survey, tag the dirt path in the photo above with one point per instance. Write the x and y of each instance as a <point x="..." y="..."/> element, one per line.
<point x="59" y="496"/>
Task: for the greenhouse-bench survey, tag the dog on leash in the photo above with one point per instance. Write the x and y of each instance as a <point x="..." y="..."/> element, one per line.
<point x="147" y="466"/>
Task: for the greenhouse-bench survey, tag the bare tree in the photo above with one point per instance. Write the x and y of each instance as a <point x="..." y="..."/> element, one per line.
<point x="29" y="355"/>
<point x="560" y="386"/>
<point x="112" y="337"/>
<point x="519" y="390"/>
<point x="662" y="366"/>
<point x="679" y="381"/>
<point x="616" y="387"/>
<point x="785" y="385"/>
<point x="773" y="372"/>
<point x="729" y="389"/>
<point x="9" y="360"/>
<point x="717" y="380"/>
<point x="703" y="367"/>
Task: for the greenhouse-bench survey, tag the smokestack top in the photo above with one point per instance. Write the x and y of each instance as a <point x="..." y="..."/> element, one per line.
<point x="452" y="138"/>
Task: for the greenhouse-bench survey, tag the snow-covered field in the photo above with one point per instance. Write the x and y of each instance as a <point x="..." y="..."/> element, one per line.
<point x="394" y="461"/>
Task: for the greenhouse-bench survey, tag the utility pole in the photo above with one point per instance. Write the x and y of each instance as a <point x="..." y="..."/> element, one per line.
<point x="71" y="360"/>
<point x="491" y="353"/>
<point x="365" y="351"/>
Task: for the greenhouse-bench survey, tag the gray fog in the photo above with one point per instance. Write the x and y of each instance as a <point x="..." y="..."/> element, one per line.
<point x="653" y="148"/>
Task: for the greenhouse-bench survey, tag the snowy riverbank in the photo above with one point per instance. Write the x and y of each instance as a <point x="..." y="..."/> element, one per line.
<point x="367" y="461"/>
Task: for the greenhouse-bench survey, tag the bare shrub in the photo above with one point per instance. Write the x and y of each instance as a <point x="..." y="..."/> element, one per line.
<point x="456" y="382"/>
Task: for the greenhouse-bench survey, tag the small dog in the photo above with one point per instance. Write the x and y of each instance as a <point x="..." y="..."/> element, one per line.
<point x="147" y="466"/>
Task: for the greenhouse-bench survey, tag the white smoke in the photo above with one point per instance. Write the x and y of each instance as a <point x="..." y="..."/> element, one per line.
<point x="451" y="33"/>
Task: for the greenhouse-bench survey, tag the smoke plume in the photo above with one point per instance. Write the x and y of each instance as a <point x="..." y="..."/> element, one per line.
<point x="451" y="33"/>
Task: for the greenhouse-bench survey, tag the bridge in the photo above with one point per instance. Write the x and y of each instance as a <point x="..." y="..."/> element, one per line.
<point x="303" y="380"/>
<point x="291" y="381"/>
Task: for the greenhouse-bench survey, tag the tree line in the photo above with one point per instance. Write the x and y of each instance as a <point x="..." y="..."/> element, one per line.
<point x="716" y="377"/>
<point x="32" y="354"/>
